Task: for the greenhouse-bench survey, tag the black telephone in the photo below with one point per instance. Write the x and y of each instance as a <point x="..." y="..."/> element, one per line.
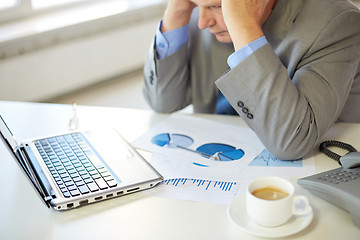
<point x="340" y="186"/>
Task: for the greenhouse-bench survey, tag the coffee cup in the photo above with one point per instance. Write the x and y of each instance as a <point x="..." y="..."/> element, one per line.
<point x="270" y="201"/>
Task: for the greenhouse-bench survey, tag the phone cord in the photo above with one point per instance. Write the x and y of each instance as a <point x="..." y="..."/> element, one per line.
<point x="324" y="147"/>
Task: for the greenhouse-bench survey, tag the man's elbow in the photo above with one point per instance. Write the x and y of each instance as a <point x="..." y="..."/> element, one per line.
<point x="288" y="155"/>
<point x="294" y="150"/>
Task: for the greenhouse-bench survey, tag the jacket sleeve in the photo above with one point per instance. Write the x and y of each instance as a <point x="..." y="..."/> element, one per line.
<point x="290" y="114"/>
<point x="166" y="85"/>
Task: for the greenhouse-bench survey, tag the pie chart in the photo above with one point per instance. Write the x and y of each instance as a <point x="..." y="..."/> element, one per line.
<point x="172" y="140"/>
<point x="214" y="151"/>
<point x="222" y="151"/>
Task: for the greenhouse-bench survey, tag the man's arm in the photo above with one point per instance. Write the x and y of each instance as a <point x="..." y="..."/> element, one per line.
<point x="166" y="72"/>
<point x="170" y="42"/>
<point x="244" y="19"/>
<point x="177" y="14"/>
<point x="291" y="115"/>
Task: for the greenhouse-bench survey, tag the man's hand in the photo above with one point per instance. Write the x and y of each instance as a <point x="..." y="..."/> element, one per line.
<point x="177" y="14"/>
<point x="244" y="19"/>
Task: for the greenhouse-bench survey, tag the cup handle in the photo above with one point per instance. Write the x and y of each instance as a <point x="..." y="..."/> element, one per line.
<point x="305" y="206"/>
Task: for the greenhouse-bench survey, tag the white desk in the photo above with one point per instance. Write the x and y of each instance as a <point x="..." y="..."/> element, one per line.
<point x="135" y="216"/>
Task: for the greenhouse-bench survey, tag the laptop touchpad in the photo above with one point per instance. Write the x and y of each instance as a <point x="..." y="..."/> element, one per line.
<point x="120" y="157"/>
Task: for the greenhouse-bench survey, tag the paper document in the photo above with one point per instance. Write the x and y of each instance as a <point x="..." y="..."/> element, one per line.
<point x="188" y="147"/>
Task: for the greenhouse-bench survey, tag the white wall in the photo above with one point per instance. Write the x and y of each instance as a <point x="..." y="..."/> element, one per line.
<point x="54" y="70"/>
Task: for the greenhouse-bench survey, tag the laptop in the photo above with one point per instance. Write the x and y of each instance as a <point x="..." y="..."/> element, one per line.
<point x="78" y="168"/>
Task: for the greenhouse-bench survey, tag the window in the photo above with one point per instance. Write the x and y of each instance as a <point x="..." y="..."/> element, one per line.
<point x="7" y="4"/>
<point x="28" y="25"/>
<point x="11" y="10"/>
<point x="43" y="4"/>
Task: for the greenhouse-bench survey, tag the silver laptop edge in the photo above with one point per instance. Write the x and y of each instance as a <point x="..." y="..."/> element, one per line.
<point x="18" y="153"/>
<point x="39" y="175"/>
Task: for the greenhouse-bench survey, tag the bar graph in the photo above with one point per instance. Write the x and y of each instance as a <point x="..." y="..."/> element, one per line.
<point x="219" y="192"/>
<point x="205" y="185"/>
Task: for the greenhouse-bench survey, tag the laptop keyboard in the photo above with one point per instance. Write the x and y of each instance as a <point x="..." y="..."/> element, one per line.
<point x="73" y="164"/>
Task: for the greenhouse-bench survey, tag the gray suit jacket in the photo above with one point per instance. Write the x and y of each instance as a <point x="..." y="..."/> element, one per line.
<point x="290" y="92"/>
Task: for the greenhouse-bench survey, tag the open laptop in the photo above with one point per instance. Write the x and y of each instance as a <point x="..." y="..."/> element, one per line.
<point x="78" y="168"/>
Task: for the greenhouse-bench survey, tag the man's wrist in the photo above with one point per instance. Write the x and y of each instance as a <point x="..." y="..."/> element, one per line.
<point x="245" y="36"/>
<point x="175" y="19"/>
<point x="238" y="56"/>
<point x="169" y="42"/>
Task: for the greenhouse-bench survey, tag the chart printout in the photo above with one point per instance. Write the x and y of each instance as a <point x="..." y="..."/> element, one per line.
<point x="183" y="147"/>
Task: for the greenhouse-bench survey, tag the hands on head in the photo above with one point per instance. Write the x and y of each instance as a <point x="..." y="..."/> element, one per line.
<point x="237" y="21"/>
<point x="177" y="14"/>
<point x="244" y="19"/>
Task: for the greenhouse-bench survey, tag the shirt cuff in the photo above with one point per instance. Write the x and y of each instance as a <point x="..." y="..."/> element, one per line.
<point x="236" y="57"/>
<point x="169" y="42"/>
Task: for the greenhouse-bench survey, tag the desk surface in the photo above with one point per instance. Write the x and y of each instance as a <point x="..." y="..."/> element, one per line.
<point x="135" y="216"/>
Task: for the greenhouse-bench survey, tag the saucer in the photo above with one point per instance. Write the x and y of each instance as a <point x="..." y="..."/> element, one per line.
<point x="237" y="214"/>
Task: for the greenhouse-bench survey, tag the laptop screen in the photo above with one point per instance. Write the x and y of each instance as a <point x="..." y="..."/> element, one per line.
<point x="8" y="136"/>
<point x="10" y="141"/>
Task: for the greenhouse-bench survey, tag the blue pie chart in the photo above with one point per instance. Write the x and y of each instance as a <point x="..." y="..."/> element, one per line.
<point x="222" y="151"/>
<point x="172" y="140"/>
<point x="217" y="151"/>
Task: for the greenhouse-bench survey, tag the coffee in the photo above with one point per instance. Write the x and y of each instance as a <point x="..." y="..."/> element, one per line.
<point x="269" y="193"/>
<point x="280" y="203"/>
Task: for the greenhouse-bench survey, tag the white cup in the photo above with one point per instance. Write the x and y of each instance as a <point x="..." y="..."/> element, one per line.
<point x="274" y="212"/>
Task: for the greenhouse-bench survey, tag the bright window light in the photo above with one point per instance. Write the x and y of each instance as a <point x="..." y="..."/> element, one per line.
<point x="7" y="4"/>
<point x="87" y="14"/>
<point x="41" y="4"/>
